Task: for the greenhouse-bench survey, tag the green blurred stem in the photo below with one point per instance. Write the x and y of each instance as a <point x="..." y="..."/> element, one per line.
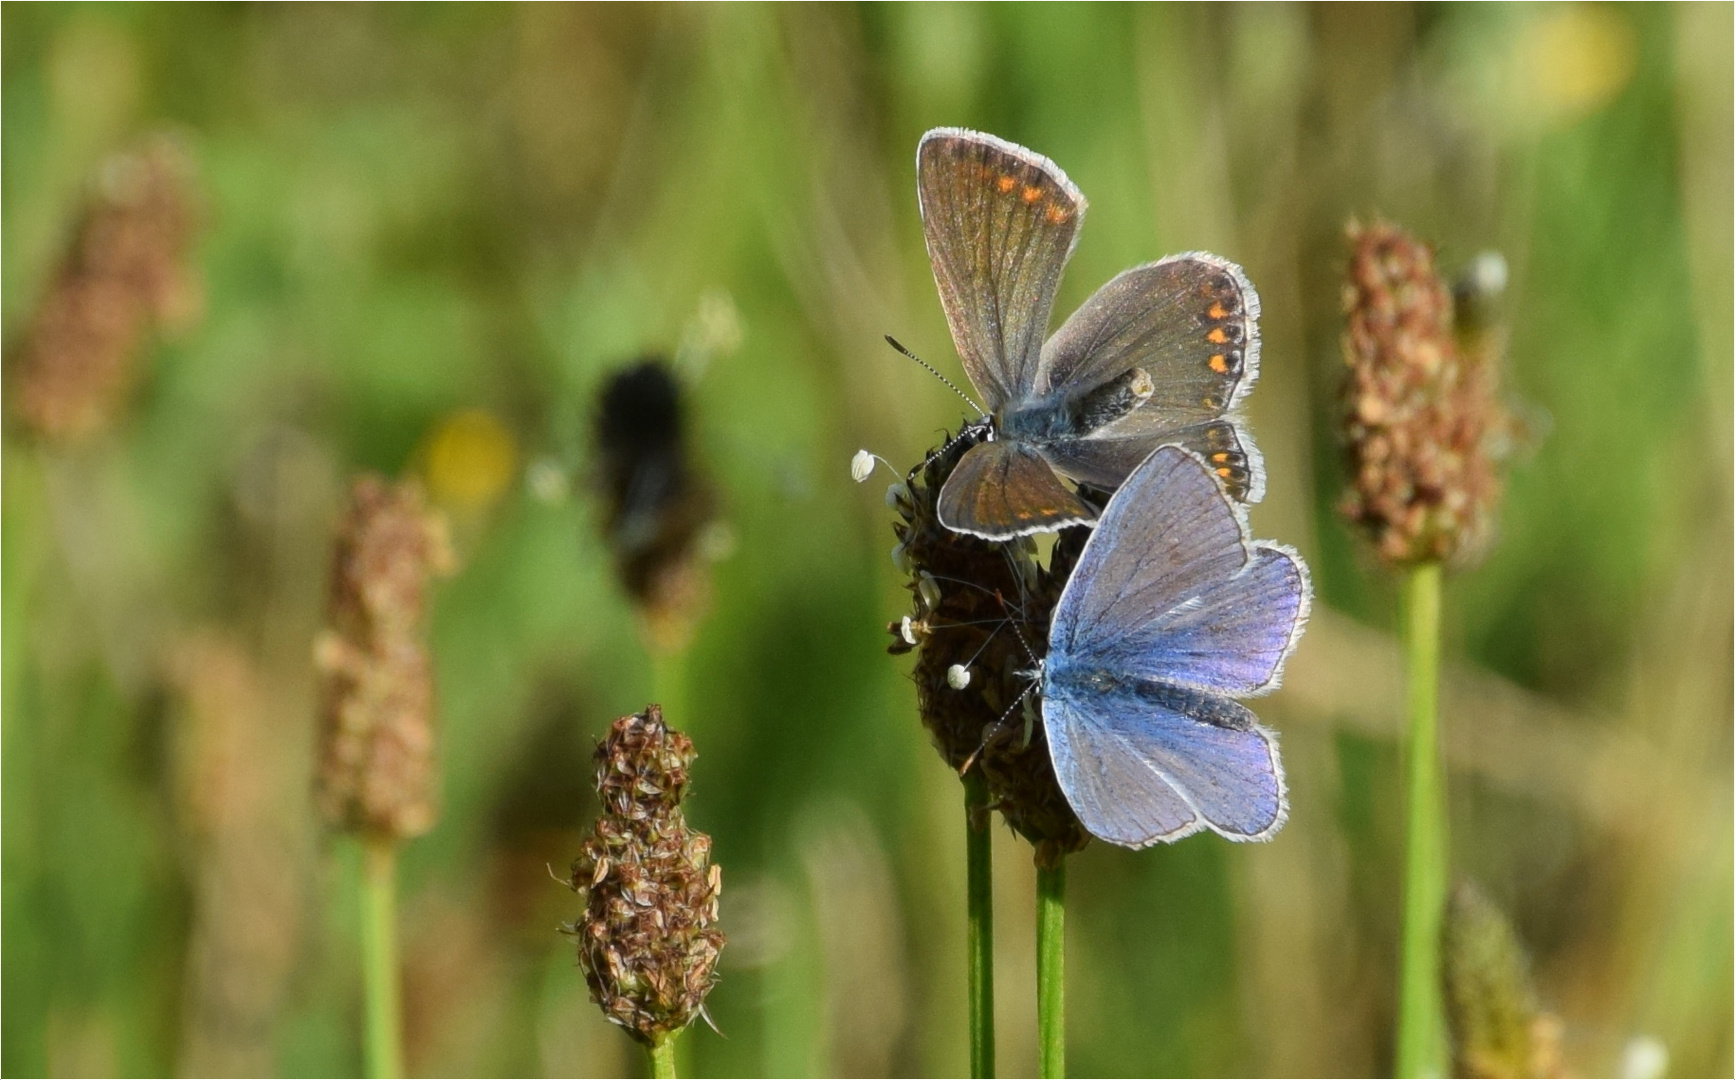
<point x="379" y="957"/>
<point x="663" y="1058"/>
<point x="1051" y="967"/>
<point x="1421" y="1034"/>
<point x="979" y="876"/>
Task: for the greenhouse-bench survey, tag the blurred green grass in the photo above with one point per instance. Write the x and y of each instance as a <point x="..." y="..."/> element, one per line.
<point x="416" y="210"/>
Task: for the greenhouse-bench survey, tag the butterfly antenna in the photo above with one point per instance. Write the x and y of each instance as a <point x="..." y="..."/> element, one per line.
<point x="967" y="431"/>
<point x="993" y="730"/>
<point x="1022" y="640"/>
<point x="1015" y="617"/>
<point x="1018" y="622"/>
<point x="894" y="343"/>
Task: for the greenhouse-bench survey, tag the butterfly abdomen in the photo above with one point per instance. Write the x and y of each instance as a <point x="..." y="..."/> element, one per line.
<point x="1102" y="688"/>
<point x="1112" y="400"/>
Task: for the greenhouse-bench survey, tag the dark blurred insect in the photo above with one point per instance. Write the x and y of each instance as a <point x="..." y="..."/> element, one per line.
<point x="657" y="509"/>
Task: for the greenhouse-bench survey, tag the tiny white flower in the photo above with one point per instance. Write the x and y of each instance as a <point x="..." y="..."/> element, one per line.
<point x="957" y="676"/>
<point x="861" y="466"/>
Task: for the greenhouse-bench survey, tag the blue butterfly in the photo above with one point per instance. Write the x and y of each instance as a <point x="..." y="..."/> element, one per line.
<point x="1170" y="614"/>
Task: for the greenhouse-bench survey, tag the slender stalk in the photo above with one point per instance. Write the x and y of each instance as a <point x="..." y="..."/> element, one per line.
<point x="663" y="1059"/>
<point x="1051" y="967"/>
<point x="1421" y="1035"/>
<point x="979" y="877"/>
<point x="383" y="1049"/>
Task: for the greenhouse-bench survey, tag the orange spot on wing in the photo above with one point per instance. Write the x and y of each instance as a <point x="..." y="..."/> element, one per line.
<point x="1006" y="184"/>
<point x="1057" y="213"/>
<point x="1031" y="194"/>
<point x="1217" y="336"/>
<point x="1217" y="311"/>
<point x="1225" y="473"/>
<point x="1219" y="458"/>
<point x="1219" y="365"/>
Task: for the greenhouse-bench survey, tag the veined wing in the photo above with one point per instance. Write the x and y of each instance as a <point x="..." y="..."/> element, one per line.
<point x="1190" y="322"/>
<point x="1000" y="223"/>
<point x="1143" y="764"/>
<point x="1168" y="588"/>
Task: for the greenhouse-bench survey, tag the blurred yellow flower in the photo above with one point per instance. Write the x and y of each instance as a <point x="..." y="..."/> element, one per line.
<point x="471" y="458"/>
<point x="1578" y="58"/>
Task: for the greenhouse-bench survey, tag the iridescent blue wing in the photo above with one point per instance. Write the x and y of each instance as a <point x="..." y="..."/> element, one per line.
<point x="1143" y="764"/>
<point x="1169" y="589"/>
<point x="1000" y="223"/>
<point x="1191" y="322"/>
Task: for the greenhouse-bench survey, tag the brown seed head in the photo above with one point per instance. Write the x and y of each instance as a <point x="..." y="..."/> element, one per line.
<point x="984" y="606"/>
<point x="122" y="276"/>
<point x="1421" y="416"/>
<point x="647" y="940"/>
<point x="377" y="770"/>
<point x="1497" y="1028"/>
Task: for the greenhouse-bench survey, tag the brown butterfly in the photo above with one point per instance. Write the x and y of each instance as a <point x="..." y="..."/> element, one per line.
<point x="1161" y="354"/>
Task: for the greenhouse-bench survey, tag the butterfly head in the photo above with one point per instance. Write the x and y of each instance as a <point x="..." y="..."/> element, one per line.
<point x="1034" y="674"/>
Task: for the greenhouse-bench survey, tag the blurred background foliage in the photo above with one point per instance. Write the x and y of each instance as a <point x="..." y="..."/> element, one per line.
<point x="429" y="232"/>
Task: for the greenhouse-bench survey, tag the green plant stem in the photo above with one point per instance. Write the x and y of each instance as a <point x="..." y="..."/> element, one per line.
<point x="1421" y="1035"/>
<point x="979" y="878"/>
<point x="1051" y="967"/>
<point x="663" y="1058"/>
<point x="379" y="951"/>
